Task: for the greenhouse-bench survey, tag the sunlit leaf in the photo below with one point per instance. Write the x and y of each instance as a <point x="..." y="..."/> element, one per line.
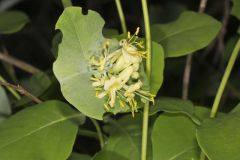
<point x="82" y="37"/>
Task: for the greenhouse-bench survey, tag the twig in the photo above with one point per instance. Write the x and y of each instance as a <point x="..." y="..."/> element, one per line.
<point x="188" y="66"/>
<point x="12" y="91"/>
<point x="21" y="90"/>
<point x="18" y="63"/>
<point x="220" y="39"/>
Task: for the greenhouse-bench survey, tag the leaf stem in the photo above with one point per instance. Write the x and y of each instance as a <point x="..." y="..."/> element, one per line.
<point x="88" y="133"/>
<point x="225" y="79"/>
<point x="148" y="71"/>
<point x="121" y="16"/>
<point x="66" y="3"/>
<point x="100" y="135"/>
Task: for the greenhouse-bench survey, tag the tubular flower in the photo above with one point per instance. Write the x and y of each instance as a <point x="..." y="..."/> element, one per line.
<point x="115" y="74"/>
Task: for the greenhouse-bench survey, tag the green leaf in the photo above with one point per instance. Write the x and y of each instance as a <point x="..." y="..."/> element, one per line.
<point x="173" y="138"/>
<point x="109" y="32"/>
<point x="82" y="37"/>
<point x="236" y="109"/>
<point x="12" y="21"/>
<point x="157" y="66"/>
<point x="55" y="42"/>
<point x="77" y="156"/>
<point x="173" y="135"/>
<point x="124" y="142"/>
<point x="219" y="137"/>
<point x="5" y="108"/>
<point x="236" y="8"/>
<point x="191" y="32"/>
<point x="174" y="105"/>
<point x="45" y="131"/>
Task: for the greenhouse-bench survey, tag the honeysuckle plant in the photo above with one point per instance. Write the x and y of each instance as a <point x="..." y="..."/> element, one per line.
<point x="112" y="82"/>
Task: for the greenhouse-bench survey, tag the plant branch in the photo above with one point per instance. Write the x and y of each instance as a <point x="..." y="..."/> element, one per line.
<point x="12" y="91"/>
<point x="121" y="16"/>
<point x="225" y="79"/>
<point x="221" y="35"/>
<point x="18" y="63"/>
<point x="188" y="65"/>
<point x="148" y="71"/>
<point x="21" y="90"/>
<point x="100" y="135"/>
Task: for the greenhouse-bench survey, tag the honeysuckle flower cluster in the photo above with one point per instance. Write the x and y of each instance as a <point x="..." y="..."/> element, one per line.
<point x="115" y="74"/>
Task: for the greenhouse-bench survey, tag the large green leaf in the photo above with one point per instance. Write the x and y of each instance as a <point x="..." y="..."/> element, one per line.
<point x="76" y="156"/>
<point x="236" y="108"/>
<point x="12" y="21"/>
<point x="174" y="105"/>
<point x="45" y="131"/>
<point x="236" y="8"/>
<point x="5" y="108"/>
<point x="219" y="138"/>
<point x="157" y="67"/>
<point x="124" y="142"/>
<point x="173" y="135"/>
<point x="191" y="32"/>
<point x="82" y="37"/>
<point x="173" y="138"/>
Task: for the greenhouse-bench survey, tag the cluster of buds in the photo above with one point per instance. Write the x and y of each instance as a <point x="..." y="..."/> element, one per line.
<point x="116" y="74"/>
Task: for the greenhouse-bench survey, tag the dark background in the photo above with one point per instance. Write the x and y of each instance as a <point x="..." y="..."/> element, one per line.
<point x="33" y="43"/>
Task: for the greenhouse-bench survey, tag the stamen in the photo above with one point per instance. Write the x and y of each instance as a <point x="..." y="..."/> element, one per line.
<point x="116" y="74"/>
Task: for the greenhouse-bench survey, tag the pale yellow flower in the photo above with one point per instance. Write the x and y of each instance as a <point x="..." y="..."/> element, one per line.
<point x="116" y="74"/>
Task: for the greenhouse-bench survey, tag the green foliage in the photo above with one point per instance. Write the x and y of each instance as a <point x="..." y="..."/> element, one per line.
<point x="52" y="124"/>
<point x="177" y="129"/>
<point x="124" y="141"/>
<point x="157" y="66"/>
<point x="177" y="140"/>
<point x="76" y="156"/>
<point x="219" y="137"/>
<point x="82" y="36"/>
<point x="5" y="108"/>
<point x="191" y="32"/>
<point x="12" y="21"/>
<point x="174" y="105"/>
<point x="236" y="8"/>
<point x="109" y="32"/>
